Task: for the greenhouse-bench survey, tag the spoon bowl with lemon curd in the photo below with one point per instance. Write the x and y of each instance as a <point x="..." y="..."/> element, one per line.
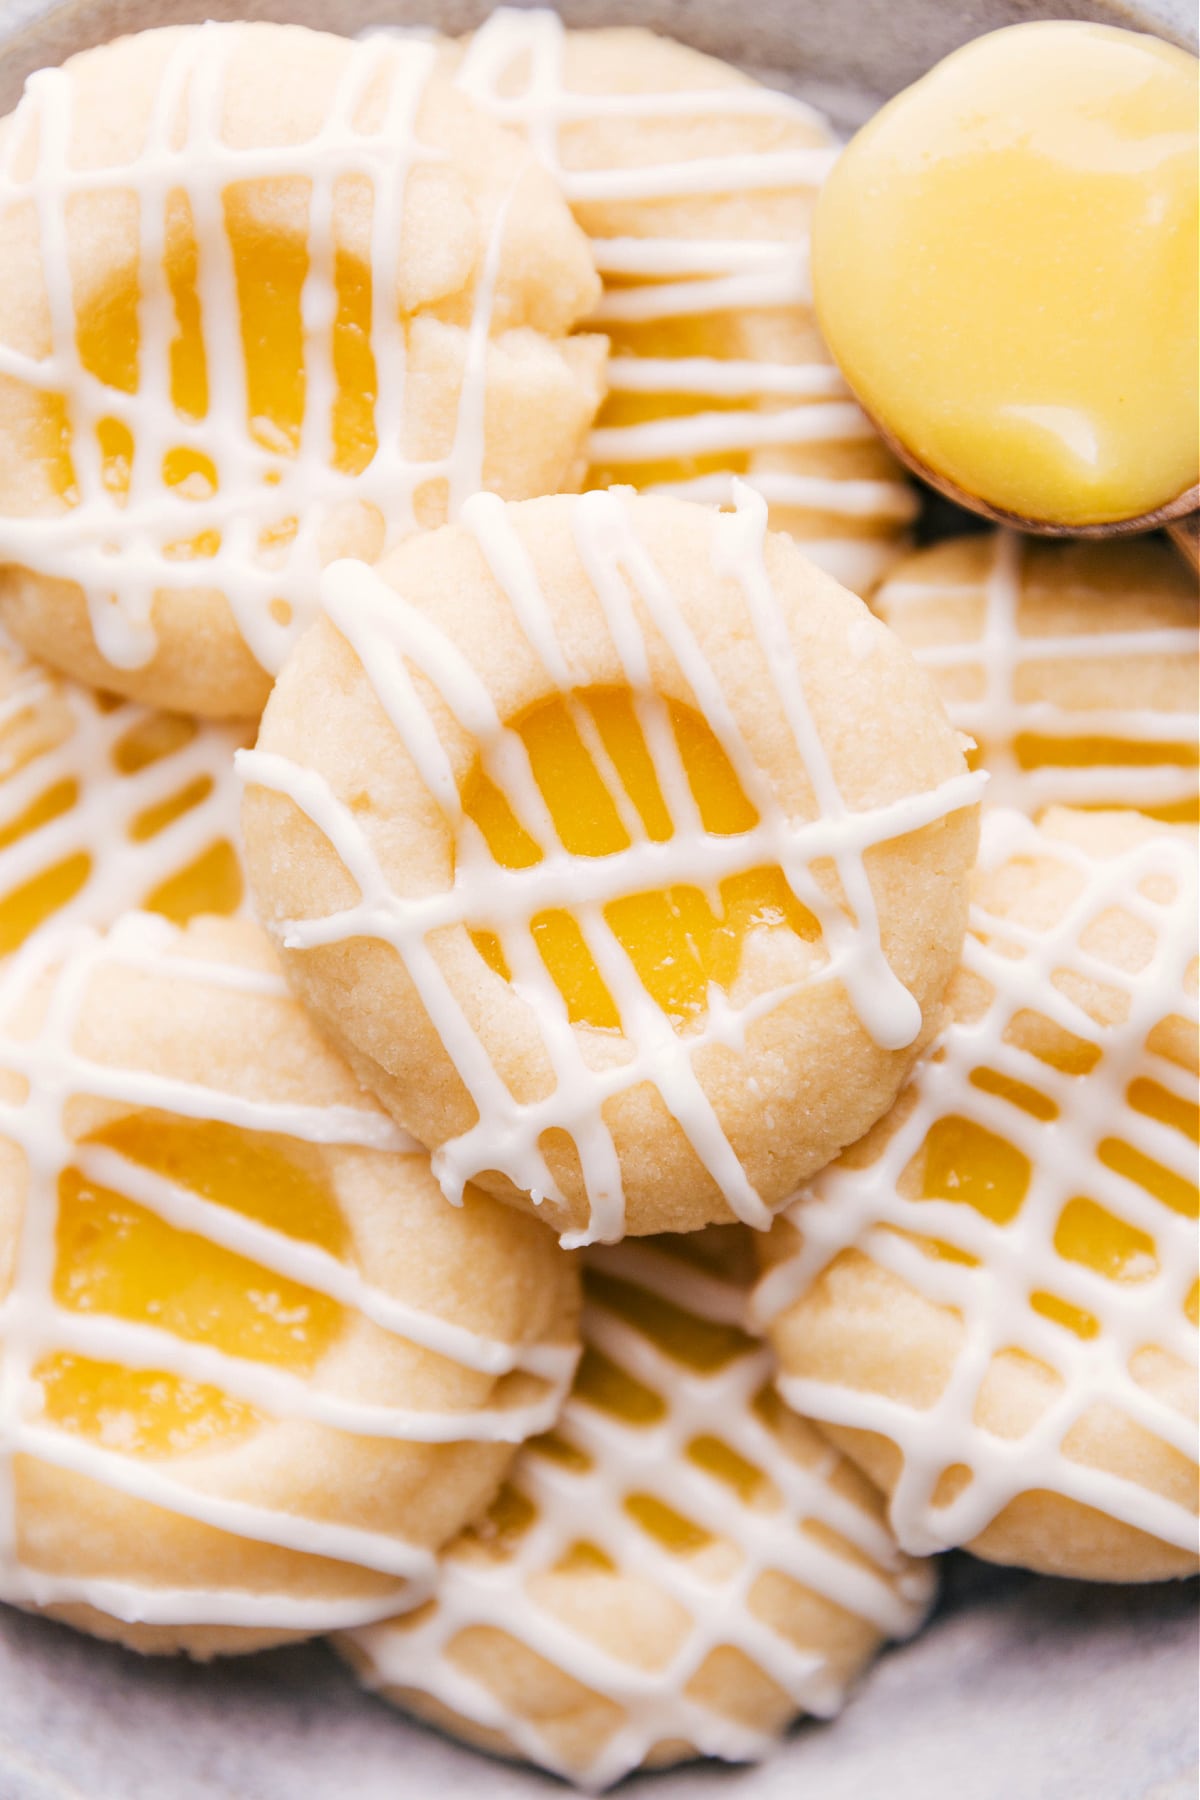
<point x="1005" y="269"/>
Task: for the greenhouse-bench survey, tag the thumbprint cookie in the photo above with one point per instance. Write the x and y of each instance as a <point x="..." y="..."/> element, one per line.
<point x="253" y="1370"/>
<point x="622" y="851"/>
<point x="680" y="1568"/>
<point x="696" y="187"/>
<point x="991" y="1302"/>
<point x="271" y="297"/>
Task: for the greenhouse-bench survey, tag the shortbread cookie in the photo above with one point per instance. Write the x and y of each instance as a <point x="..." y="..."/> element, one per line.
<point x="1073" y="666"/>
<point x="253" y="1370"/>
<point x="623" y="852"/>
<point x="270" y="297"/>
<point x="106" y="806"/>
<point x="696" y="186"/>
<point x="679" y="1568"/>
<point x="991" y="1303"/>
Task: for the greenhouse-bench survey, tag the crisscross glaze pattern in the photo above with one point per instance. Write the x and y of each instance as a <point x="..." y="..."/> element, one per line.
<point x="1074" y="668"/>
<point x="717" y="366"/>
<point x="108" y="807"/>
<point x="396" y="644"/>
<point x="749" y="1576"/>
<point x="62" y="1307"/>
<point x="248" y="407"/>
<point x="1033" y="1196"/>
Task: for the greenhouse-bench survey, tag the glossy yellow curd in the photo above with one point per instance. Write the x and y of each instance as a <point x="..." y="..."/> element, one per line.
<point x="678" y="941"/>
<point x="115" y="1258"/>
<point x="964" y="1162"/>
<point x="270" y="276"/>
<point x="1005" y="267"/>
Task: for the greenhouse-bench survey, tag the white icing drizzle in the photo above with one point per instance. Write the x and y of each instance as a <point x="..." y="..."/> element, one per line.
<point x="678" y="276"/>
<point x="79" y="742"/>
<point x="853" y="1206"/>
<point x="387" y="635"/>
<point x="625" y="1459"/>
<point x="120" y="554"/>
<point x="1000" y="651"/>
<point x="33" y="1324"/>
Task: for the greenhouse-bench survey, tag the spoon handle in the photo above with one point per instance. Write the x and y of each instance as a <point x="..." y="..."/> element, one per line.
<point x="1185" y="535"/>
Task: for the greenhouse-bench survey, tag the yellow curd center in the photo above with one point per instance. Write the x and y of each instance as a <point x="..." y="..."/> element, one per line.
<point x="679" y="940"/>
<point x="117" y="1259"/>
<point x="269" y="271"/>
<point x="1033" y="750"/>
<point x="699" y="1346"/>
<point x="211" y="882"/>
<point x="1005" y="267"/>
<point x="704" y="334"/>
<point x="964" y="1162"/>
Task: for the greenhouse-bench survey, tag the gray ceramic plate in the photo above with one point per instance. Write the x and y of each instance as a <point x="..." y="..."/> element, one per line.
<point x="1021" y="1689"/>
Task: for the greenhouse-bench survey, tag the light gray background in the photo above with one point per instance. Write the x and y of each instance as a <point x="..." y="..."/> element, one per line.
<point x="1021" y="1690"/>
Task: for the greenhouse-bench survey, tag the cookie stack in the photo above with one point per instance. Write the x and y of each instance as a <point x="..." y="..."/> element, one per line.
<point x="597" y="1174"/>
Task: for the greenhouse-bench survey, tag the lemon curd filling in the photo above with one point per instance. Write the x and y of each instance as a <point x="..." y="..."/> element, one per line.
<point x="1005" y="267"/>
<point x="269" y="270"/>
<point x="1033" y="750"/>
<point x="679" y="940"/>
<point x="211" y="882"/>
<point x="116" y="1258"/>
<point x="721" y="336"/>
<point x="706" y="335"/>
<point x="963" y="1162"/>
<point x="700" y="1346"/>
<point x="1038" y="750"/>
